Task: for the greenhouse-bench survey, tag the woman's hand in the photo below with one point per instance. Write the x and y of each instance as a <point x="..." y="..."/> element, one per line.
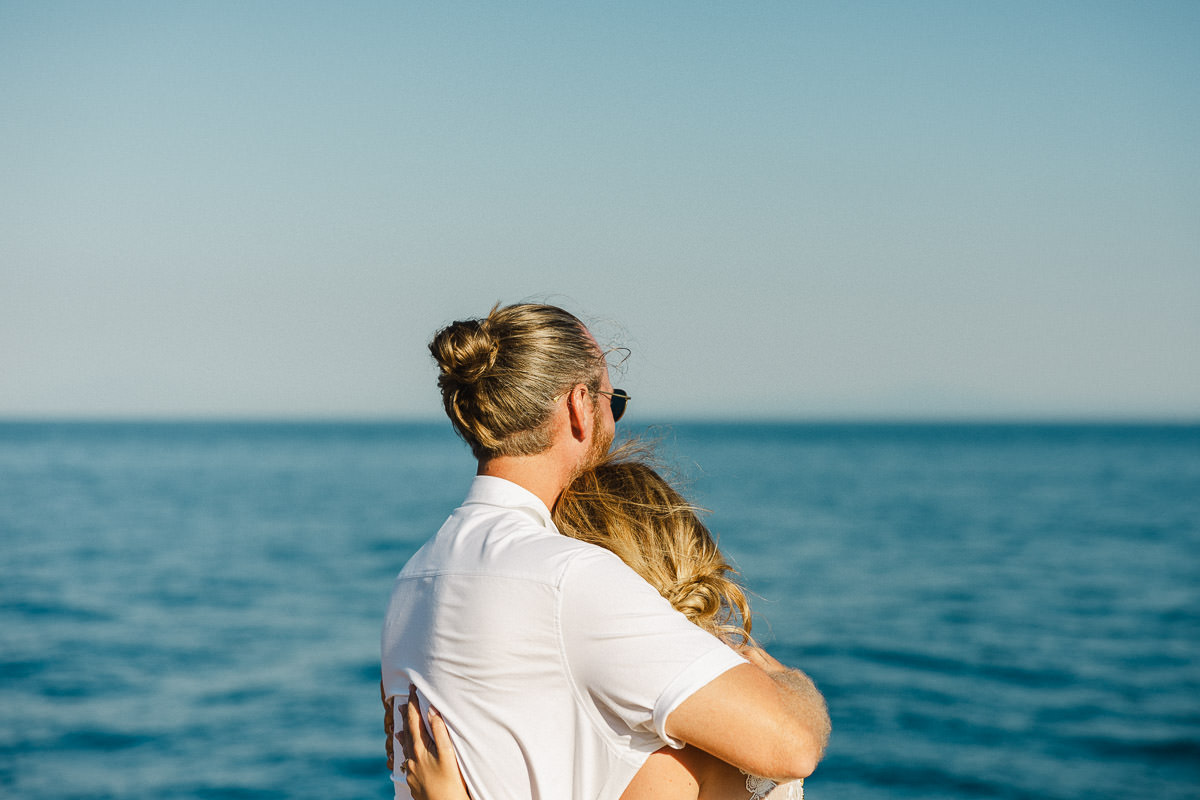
<point x="430" y="763"/>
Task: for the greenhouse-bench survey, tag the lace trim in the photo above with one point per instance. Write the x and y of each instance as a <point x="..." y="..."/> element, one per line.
<point x="764" y="788"/>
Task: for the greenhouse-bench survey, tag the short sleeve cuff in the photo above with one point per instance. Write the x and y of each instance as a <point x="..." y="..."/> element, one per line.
<point x="702" y="671"/>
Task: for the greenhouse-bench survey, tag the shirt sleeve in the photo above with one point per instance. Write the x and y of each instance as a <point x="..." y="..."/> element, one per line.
<point x="631" y="655"/>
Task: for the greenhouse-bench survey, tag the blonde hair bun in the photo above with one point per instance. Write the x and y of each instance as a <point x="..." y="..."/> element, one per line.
<point x="465" y="352"/>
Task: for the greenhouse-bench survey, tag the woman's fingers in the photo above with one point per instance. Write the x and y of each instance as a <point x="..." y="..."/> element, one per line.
<point x="415" y="787"/>
<point x="441" y="737"/>
<point x="415" y="736"/>
<point x="426" y="738"/>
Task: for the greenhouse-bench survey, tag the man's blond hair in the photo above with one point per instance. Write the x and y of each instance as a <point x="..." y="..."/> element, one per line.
<point x="501" y="375"/>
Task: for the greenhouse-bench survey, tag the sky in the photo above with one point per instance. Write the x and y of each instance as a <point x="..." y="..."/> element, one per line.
<point x="793" y="210"/>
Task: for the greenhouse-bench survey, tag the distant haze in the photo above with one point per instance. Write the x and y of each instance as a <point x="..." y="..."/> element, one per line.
<point x="785" y="210"/>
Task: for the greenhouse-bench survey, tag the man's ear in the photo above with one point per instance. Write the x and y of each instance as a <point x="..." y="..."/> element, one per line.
<point x="579" y="411"/>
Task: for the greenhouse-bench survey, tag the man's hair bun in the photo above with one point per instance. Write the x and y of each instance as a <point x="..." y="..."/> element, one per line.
<point x="465" y="352"/>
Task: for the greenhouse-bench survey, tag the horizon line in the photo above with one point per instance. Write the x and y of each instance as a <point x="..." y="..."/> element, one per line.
<point x="812" y="419"/>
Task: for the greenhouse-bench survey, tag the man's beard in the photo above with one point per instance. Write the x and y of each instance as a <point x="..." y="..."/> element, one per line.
<point x="601" y="442"/>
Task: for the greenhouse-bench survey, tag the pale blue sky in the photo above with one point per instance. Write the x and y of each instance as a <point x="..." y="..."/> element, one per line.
<point x="796" y="210"/>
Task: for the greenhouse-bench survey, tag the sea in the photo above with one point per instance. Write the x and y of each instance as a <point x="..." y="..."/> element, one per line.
<point x="192" y="610"/>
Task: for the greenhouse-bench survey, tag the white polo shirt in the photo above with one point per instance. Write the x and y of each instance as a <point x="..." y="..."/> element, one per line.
<point x="553" y="663"/>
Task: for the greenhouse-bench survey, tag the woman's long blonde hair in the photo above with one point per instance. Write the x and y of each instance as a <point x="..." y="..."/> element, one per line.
<point x="622" y="504"/>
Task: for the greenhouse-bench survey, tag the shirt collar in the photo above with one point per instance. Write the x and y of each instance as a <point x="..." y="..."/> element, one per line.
<point x="492" y="491"/>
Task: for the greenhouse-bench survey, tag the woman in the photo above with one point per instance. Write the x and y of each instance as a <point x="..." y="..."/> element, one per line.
<point x="624" y="506"/>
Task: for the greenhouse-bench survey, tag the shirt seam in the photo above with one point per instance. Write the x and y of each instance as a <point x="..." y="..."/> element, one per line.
<point x="410" y="576"/>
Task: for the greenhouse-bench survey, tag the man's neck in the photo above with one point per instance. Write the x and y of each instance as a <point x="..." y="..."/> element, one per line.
<point x="542" y="474"/>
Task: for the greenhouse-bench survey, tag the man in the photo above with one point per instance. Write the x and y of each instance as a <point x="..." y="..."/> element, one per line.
<point x="559" y="669"/>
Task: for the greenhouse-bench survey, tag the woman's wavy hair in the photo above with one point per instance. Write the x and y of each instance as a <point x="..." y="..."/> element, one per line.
<point x="500" y="376"/>
<point x="622" y="504"/>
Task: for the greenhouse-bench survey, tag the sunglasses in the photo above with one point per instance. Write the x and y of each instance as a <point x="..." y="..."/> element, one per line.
<point x="618" y="398"/>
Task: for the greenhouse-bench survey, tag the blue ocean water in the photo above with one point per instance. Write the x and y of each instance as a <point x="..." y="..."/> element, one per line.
<point x="1009" y="611"/>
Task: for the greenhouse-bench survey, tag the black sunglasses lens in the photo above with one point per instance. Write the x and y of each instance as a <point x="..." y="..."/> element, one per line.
<point x="619" y="398"/>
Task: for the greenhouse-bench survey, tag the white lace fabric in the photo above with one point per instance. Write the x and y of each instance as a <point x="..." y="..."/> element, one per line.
<point x="767" y="789"/>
